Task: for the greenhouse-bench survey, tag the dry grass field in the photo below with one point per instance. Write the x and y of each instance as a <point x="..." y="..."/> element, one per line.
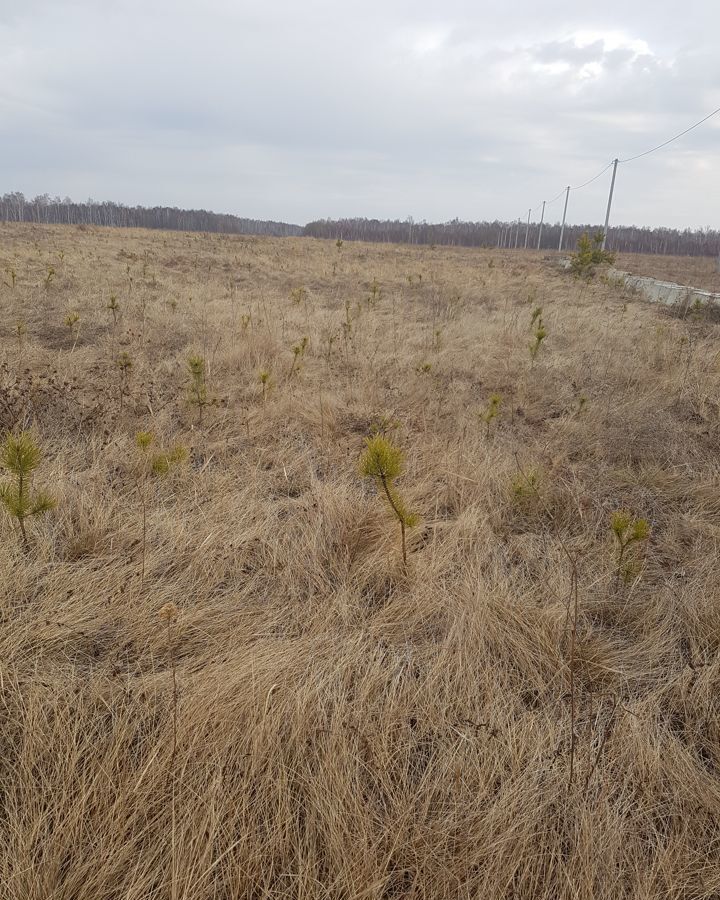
<point x="222" y="682"/>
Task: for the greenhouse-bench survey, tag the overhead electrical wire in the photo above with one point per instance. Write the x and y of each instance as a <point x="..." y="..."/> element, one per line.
<point x="670" y="140"/>
<point x="632" y="158"/>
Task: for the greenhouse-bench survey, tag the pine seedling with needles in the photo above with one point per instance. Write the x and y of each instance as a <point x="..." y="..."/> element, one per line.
<point x="540" y="333"/>
<point x="198" y="394"/>
<point x="384" y="463"/>
<point x="491" y="412"/>
<point x="20" y="456"/>
<point x="298" y="353"/>
<point x="160" y="463"/>
<point x="71" y="320"/>
<point x="265" y="379"/>
<point x="628" y="532"/>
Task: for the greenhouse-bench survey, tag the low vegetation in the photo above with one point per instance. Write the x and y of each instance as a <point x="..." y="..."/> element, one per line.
<point x="334" y="570"/>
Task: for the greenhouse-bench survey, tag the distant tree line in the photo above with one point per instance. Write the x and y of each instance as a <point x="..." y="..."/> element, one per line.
<point x="15" y="207"/>
<point x="48" y="210"/>
<point x="626" y="239"/>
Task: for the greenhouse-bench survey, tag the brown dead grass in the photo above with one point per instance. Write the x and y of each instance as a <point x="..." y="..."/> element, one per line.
<point x="345" y="730"/>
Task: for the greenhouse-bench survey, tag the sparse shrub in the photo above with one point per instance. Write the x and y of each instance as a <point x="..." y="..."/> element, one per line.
<point x="20" y="456"/>
<point x="384" y="462"/>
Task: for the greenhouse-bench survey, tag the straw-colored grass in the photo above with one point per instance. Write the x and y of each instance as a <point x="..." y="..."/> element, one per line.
<point x="318" y="722"/>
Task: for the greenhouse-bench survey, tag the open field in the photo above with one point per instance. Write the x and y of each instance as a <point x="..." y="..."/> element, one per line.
<point x="515" y="714"/>
<point x="695" y="271"/>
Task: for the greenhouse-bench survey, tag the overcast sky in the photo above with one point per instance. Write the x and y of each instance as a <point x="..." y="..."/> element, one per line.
<point x="302" y="109"/>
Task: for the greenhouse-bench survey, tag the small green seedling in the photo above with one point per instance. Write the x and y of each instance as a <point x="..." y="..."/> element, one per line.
<point x="539" y="334"/>
<point x="20" y="456"/>
<point x="383" y="462"/>
<point x="491" y="412"/>
<point x="198" y="394"/>
<point x="526" y="491"/>
<point x="160" y="463"/>
<point x="298" y="354"/>
<point x="114" y="308"/>
<point x="628" y="532"/>
<point x="265" y="379"/>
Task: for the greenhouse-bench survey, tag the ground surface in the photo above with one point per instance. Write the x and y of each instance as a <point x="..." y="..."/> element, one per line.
<point x="343" y="727"/>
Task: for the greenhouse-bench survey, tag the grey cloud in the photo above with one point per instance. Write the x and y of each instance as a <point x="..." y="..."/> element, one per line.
<point x="301" y="110"/>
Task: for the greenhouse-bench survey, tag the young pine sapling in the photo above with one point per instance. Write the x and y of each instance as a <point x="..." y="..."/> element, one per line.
<point x="491" y="412"/>
<point x="384" y="462"/>
<point x="628" y="532"/>
<point x="20" y="456"/>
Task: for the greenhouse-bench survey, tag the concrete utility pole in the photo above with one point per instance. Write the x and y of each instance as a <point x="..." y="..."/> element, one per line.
<point x="562" y="227"/>
<point x="527" y="229"/>
<point x="517" y="233"/>
<point x="607" y="214"/>
<point x="542" y="219"/>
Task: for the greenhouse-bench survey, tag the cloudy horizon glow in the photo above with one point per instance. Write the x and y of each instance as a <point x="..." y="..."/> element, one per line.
<point x="302" y="111"/>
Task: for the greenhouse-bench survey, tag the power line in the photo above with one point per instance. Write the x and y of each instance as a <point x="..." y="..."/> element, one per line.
<point x="670" y="141"/>
<point x="590" y="180"/>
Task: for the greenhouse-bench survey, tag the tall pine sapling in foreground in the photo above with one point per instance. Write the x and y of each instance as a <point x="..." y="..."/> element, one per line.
<point x="588" y="255"/>
<point x="20" y="456"/>
<point x="384" y="462"/>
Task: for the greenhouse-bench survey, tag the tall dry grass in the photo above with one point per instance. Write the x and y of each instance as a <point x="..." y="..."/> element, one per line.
<point x="344" y="729"/>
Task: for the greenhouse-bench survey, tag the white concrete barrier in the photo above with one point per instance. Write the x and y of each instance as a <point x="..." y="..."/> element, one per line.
<point x="666" y="292"/>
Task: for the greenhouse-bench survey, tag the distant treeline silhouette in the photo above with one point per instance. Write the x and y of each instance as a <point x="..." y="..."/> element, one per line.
<point x="626" y="239"/>
<point x="15" y="207"/>
<point x="54" y="211"/>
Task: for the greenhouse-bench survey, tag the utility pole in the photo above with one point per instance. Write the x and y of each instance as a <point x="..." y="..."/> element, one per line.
<point x="607" y="214"/>
<point x="517" y="233"/>
<point x="562" y="227"/>
<point x="542" y="219"/>
<point x="527" y="229"/>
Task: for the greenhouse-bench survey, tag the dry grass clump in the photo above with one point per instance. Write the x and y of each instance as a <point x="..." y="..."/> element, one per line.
<point x="237" y="689"/>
